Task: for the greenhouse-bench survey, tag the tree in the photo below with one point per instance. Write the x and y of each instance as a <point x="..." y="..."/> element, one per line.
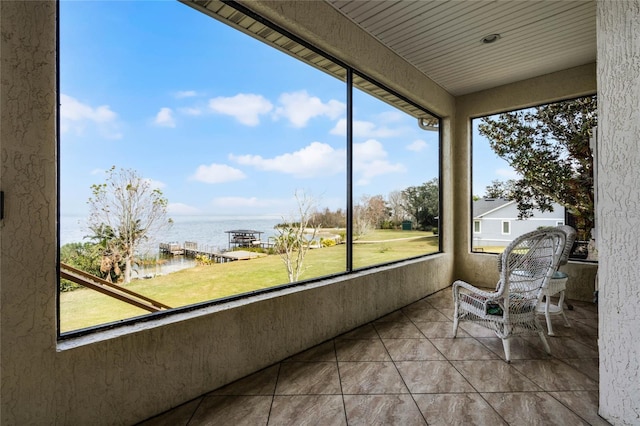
<point x="369" y="214"/>
<point x="396" y="202"/>
<point x="549" y="148"/>
<point x="422" y="203"/>
<point x="83" y="256"/>
<point x="500" y="189"/>
<point x="124" y="211"/>
<point x="295" y="236"/>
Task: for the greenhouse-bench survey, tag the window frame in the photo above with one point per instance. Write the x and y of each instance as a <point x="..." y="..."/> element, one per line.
<point x="393" y="98"/>
<point x="503" y="223"/>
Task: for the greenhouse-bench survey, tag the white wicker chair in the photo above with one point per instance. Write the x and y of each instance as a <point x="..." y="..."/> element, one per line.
<point x="557" y="284"/>
<point x="526" y="266"/>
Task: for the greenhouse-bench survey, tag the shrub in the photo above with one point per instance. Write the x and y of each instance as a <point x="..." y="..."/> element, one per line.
<point x="327" y="242"/>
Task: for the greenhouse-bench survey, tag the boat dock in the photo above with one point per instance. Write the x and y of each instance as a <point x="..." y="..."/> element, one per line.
<point x="191" y="249"/>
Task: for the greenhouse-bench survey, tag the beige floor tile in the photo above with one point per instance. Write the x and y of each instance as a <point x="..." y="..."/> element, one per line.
<point x="591" y="322"/>
<point x="457" y="409"/>
<point x="420" y="304"/>
<point x="531" y="408"/>
<point x="308" y="378"/>
<point x="261" y="383"/>
<point x="447" y="312"/>
<point x="232" y="410"/>
<point x="370" y="378"/>
<point x="580" y="311"/>
<point x="494" y="376"/>
<point x="462" y="348"/>
<point x="369" y="410"/>
<point x="476" y="330"/>
<point x="323" y="352"/>
<point x="554" y="375"/>
<point x="520" y="348"/>
<point x="583" y="403"/>
<point x="396" y="316"/>
<point x="366" y="331"/>
<point x="398" y="330"/>
<point x="412" y="350"/>
<point x="361" y="350"/>
<point x="431" y="314"/>
<point x="179" y="416"/>
<point x="564" y="347"/>
<point x="432" y="377"/>
<point x="590" y="367"/>
<point x="307" y="410"/>
<point x="435" y="330"/>
<point x="353" y="378"/>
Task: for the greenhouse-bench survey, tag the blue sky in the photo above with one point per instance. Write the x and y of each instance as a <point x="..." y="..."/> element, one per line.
<point x="220" y="122"/>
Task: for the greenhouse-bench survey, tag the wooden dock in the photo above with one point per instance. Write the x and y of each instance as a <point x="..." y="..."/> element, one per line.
<point x="191" y="249"/>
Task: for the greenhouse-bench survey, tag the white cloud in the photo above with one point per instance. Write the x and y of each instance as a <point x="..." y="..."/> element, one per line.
<point x="164" y="118"/>
<point x="75" y="116"/>
<point x="191" y="111"/>
<point x="417" y="145"/>
<point x="370" y="160"/>
<point x="363" y="129"/>
<point x="316" y="159"/>
<point x="155" y="184"/>
<point x="246" y="108"/>
<point x="217" y="173"/>
<point x="182" y="209"/>
<point x="299" y="108"/>
<point x="186" y="94"/>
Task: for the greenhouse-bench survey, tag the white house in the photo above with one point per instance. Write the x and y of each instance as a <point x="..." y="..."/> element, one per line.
<point x="496" y="223"/>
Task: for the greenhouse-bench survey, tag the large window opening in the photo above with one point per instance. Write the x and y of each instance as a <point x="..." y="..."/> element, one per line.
<point x="534" y="168"/>
<point x="200" y="164"/>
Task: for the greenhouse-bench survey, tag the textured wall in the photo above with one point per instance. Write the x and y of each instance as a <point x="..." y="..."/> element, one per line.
<point x="128" y="374"/>
<point x="619" y="209"/>
<point x="27" y="245"/>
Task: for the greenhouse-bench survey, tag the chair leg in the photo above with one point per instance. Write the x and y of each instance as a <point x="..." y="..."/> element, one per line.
<point x="544" y="342"/>
<point x="455" y="319"/>
<point x="507" y="349"/>
<point x="547" y="316"/>
<point x="455" y="327"/>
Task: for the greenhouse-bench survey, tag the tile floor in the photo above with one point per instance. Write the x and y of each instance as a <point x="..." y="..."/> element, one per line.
<point x="406" y="369"/>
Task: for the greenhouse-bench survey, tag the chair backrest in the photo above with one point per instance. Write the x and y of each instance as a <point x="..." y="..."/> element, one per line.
<point x="527" y="265"/>
<point x="570" y="234"/>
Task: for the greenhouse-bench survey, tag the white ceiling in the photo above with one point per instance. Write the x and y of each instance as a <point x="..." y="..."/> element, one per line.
<point x="443" y="38"/>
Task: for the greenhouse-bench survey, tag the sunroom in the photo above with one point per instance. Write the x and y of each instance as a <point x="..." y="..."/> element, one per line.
<point x="541" y="52"/>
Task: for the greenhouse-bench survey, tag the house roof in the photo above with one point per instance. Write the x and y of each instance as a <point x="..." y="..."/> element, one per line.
<point x="484" y="206"/>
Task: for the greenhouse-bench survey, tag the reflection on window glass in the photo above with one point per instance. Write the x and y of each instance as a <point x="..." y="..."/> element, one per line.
<point x="237" y="137"/>
<point x="396" y="191"/>
<point x="194" y="170"/>
<point x="533" y="168"/>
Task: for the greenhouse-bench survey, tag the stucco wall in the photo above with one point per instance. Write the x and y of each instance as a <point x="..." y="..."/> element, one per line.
<point x="480" y="268"/>
<point x="618" y="212"/>
<point x="130" y="373"/>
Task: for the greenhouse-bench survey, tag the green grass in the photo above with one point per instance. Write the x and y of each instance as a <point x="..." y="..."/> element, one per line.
<point x="84" y="308"/>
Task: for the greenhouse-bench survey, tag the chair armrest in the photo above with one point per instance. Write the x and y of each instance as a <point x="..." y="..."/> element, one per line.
<point x="490" y="295"/>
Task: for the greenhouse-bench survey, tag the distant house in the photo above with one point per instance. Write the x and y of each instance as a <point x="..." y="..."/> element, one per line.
<point x="496" y="223"/>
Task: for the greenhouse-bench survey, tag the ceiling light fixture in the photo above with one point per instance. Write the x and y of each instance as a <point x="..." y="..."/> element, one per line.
<point x="491" y="38"/>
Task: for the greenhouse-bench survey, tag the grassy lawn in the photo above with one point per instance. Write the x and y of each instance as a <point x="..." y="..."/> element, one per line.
<point x="84" y="308"/>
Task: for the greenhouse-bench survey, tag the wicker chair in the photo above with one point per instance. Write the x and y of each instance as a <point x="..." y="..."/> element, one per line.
<point x="558" y="284"/>
<point x="526" y="266"/>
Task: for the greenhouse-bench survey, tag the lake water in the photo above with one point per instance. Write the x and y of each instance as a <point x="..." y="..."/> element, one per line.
<point x="204" y="230"/>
